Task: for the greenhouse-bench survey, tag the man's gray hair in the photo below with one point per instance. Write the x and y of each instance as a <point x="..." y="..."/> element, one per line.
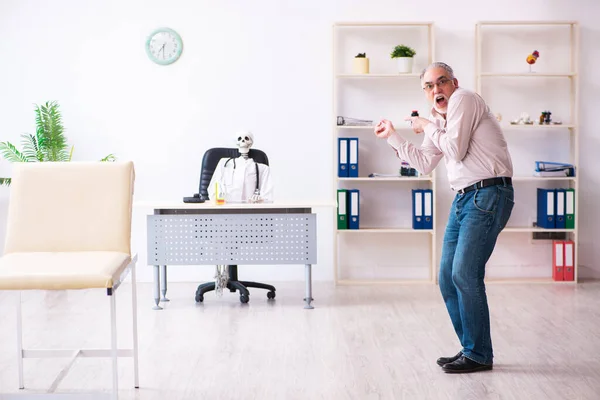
<point x="439" y="64"/>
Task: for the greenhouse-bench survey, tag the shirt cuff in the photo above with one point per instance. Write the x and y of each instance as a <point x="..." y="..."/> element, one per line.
<point x="395" y="140"/>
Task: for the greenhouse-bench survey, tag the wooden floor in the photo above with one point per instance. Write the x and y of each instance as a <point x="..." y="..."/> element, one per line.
<point x="358" y="343"/>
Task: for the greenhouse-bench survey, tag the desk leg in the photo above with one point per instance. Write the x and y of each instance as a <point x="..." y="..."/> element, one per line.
<point x="156" y="288"/>
<point x="308" y="278"/>
<point x="163" y="282"/>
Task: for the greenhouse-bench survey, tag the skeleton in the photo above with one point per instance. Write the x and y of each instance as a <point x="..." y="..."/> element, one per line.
<point x="244" y="142"/>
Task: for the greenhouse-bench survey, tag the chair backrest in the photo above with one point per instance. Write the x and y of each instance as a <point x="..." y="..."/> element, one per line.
<point x="211" y="160"/>
<point x="70" y="206"/>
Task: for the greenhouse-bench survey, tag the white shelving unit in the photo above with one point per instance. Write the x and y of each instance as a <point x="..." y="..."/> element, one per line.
<point x="374" y="253"/>
<point x="501" y="49"/>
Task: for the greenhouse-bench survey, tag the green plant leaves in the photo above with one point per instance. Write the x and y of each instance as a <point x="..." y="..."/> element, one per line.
<point x="402" y="51"/>
<point x="11" y="153"/>
<point x="50" y="132"/>
<point x="48" y="144"/>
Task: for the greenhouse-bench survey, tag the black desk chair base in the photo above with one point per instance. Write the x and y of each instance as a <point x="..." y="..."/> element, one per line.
<point x="233" y="284"/>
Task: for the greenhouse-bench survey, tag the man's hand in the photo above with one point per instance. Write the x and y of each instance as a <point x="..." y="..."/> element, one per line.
<point x="418" y="123"/>
<point x="384" y="129"/>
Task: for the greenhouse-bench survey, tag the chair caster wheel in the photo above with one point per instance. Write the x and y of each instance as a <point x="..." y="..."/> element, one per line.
<point x="270" y="295"/>
<point x="199" y="298"/>
<point x="244" y="298"/>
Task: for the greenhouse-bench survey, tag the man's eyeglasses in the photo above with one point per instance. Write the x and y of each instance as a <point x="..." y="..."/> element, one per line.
<point x="440" y="83"/>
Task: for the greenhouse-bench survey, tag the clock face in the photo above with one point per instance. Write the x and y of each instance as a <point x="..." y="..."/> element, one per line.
<point x="164" y="46"/>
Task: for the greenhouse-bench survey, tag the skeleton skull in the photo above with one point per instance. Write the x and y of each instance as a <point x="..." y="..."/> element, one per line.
<point x="244" y="141"/>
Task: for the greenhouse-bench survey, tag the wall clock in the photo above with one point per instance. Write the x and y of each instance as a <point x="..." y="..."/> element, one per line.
<point x="164" y="46"/>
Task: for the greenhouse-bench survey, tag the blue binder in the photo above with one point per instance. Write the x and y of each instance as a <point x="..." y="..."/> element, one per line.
<point x="343" y="157"/>
<point x="560" y="210"/>
<point x="353" y="208"/>
<point x="546" y="209"/>
<point x="427" y="209"/>
<point x="353" y="157"/>
<point x="417" y="209"/>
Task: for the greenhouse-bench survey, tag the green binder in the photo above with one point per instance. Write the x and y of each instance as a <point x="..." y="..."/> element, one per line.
<point x="570" y="209"/>
<point x="342" y="209"/>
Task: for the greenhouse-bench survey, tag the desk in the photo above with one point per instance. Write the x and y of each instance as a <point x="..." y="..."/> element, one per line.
<point x="229" y="234"/>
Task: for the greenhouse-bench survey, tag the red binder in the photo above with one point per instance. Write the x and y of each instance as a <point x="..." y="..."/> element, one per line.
<point x="569" y="260"/>
<point x="558" y="260"/>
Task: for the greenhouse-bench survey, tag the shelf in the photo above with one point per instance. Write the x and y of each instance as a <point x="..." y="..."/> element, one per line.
<point x="371" y="127"/>
<point x="384" y="230"/>
<point x="538" y="126"/>
<point x="527" y="74"/>
<point x="398" y="75"/>
<point x="533" y="229"/>
<point x="382" y="24"/>
<point x="544" y="178"/>
<point x="400" y="128"/>
<point x="420" y="35"/>
<point x="489" y="77"/>
<point x="517" y="23"/>
<point x="389" y="179"/>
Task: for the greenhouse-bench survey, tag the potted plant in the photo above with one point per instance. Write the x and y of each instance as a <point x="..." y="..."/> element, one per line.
<point x="361" y="64"/>
<point x="48" y="144"/>
<point x="405" y="55"/>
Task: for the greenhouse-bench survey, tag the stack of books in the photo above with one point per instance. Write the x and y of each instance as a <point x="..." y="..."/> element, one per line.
<point x="547" y="168"/>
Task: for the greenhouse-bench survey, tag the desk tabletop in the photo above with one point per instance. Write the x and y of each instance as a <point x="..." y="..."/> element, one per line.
<point x="169" y="205"/>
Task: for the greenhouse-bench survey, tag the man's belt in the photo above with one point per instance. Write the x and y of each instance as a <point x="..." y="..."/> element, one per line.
<point x="501" y="180"/>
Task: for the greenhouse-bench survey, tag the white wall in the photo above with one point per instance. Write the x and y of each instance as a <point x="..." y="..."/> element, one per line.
<point x="263" y="66"/>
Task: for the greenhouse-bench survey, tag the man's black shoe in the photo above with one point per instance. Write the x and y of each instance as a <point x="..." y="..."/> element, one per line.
<point x="464" y="365"/>
<point x="445" y="360"/>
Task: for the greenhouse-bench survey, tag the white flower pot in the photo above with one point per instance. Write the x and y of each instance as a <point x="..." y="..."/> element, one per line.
<point x="360" y="65"/>
<point x="405" y="65"/>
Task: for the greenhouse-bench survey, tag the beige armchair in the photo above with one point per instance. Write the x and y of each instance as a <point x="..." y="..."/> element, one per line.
<point x="69" y="228"/>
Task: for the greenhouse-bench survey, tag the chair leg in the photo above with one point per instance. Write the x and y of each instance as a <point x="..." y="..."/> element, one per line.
<point x="20" y="339"/>
<point x="244" y="293"/>
<point x="136" y="374"/>
<point x="113" y="341"/>
<point x="258" y="285"/>
<point x="203" y="288"/>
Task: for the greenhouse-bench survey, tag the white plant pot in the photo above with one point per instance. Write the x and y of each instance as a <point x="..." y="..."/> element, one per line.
<point x="405" y="65"/>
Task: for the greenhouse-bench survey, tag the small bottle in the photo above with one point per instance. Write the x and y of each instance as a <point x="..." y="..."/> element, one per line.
<point x="414" y="113"/>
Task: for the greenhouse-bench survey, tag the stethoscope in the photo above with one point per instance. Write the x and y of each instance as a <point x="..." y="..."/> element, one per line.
<point x="255" y="166"/>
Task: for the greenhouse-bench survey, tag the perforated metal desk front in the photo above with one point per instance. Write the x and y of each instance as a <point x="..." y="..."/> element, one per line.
<point x="230" y="236"/>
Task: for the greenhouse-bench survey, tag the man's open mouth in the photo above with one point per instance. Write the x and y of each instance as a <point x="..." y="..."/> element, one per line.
<point x="440" y="99"/>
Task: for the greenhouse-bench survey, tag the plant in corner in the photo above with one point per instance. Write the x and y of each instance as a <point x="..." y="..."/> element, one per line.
<point x="405" y="55"/>
<point x="48" y="144"/>
<point x="361" y="64"/>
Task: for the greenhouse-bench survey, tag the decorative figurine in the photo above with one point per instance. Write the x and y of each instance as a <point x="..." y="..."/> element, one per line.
<point x="545" y="118"/>
<point x="524" y="119"/>
<point x="532" y="58"/>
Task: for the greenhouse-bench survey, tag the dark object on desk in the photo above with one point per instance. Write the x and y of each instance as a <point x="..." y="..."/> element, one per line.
<point x="195" y="199"/>
<point x="209" y="164"/>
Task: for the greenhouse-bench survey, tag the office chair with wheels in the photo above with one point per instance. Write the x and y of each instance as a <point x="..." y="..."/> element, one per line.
<point x="209" y="164"/>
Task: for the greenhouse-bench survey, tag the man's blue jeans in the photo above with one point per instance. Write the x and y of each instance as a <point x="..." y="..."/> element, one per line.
<point x="476" y="218"/>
